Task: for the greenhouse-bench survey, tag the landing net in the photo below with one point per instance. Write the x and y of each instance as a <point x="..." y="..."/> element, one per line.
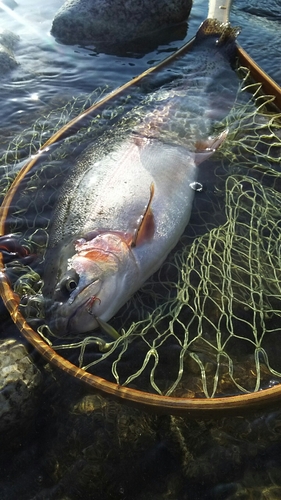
<point x="207" y="324"/>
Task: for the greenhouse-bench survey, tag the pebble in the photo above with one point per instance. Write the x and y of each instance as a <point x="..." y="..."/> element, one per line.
<point x="19" y="383"/>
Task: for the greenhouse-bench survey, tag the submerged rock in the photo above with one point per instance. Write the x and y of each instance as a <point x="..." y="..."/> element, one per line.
<point x="19" y="383"/>
<point x="115" y="21"/>
<point x="8" y="41"/>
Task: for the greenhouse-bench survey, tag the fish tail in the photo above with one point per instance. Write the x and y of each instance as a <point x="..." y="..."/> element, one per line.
<point x="225" y="36"/>
<point x="225" y="31"/>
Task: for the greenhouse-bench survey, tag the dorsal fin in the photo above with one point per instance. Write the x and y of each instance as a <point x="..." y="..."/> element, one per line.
<point x="146" y="227"/>
<point x="205" y="149"/>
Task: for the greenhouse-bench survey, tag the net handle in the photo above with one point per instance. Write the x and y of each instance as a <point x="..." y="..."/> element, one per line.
<point x="220" y="10"/>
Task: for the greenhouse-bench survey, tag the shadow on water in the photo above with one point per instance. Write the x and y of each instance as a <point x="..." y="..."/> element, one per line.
<point x="142" y="46"/>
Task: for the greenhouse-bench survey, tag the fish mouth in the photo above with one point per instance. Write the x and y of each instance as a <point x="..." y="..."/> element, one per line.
<point x="77" y="316"/>
<point x="81" y="305"/>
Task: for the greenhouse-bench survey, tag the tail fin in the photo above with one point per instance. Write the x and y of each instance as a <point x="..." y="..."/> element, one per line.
<point x="216" y="28"/>
<point x="224" y="37"/>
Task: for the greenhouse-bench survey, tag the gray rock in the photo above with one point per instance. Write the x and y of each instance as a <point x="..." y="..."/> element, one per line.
<point x="19" y="383"/>
<point x="8" y="41"/>
<point x="115" y="21"/>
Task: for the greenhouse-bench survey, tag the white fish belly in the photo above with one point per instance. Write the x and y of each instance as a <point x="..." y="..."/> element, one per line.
<point x="116" y="191"/>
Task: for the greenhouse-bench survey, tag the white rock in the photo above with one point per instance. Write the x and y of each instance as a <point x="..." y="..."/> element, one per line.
<point x="8" y="42"/>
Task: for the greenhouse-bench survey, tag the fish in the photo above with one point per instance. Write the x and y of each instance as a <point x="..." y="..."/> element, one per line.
<point x="126" y="205"/>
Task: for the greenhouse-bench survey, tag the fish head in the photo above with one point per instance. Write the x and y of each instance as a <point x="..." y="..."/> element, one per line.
<point x="97" y="283"/>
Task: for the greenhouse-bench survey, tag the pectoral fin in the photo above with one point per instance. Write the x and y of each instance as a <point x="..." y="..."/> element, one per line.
<point x="146" y="227"/>
<point x="107" y="328"/>
<point x="143" y="233"/>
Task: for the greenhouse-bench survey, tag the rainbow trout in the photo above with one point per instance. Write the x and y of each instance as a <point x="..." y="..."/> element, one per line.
<point x="126" y="208"/>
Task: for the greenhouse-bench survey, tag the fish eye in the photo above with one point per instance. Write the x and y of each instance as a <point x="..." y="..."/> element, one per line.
<point x="70" y="285"/>
<point x="70" y="281"/>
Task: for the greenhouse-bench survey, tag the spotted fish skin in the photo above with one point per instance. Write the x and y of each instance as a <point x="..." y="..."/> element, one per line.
<point x="125" y="207"/>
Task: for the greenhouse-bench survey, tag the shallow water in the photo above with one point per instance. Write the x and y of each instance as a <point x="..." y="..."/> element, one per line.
<point x="78" y="445"/>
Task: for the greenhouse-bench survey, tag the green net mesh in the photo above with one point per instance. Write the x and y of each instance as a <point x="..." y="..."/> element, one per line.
<point x="208" y="323"/>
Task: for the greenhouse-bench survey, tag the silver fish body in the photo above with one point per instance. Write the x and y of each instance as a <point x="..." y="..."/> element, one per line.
<point x="125" y="208"/>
